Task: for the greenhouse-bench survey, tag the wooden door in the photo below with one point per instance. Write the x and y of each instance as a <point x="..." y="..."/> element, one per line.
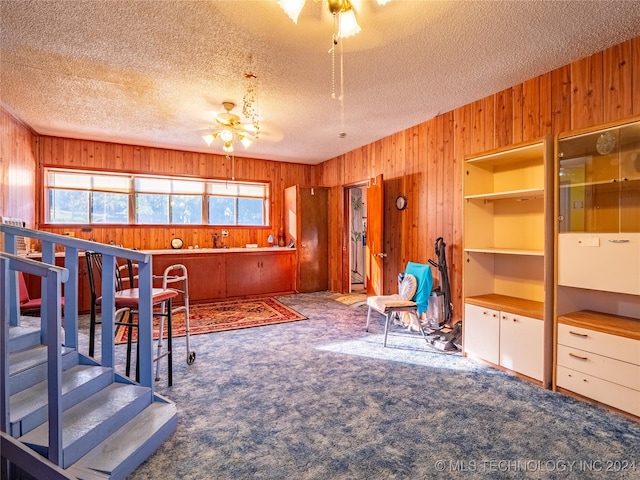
<point x="374" y="253"/>
<point x="313" y="246"/>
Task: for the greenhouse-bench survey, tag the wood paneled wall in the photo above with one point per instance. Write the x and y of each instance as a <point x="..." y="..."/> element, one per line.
<point x="424" y="162"/>
<point x="18" y="162"/>
<point x="84" y="154"/>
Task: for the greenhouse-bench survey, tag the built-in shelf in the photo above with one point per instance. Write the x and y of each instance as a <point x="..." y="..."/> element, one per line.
<point x="507" y="272"/>
<point x="509" y="156"/>
<point x="524" y="194"/>
<point x="613" y="181"/>
<point x="519" y="306"/>
<point x="603" y="322"/>
<point x="506" y="251"/>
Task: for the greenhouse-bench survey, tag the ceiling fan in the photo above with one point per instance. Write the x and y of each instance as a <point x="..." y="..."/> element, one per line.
<point x="230" y="129"/>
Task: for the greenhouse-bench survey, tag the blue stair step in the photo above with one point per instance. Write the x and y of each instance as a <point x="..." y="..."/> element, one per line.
<point x="29" y="406"/>
<point x="21" y="338"/>
<point x="121" y="453"/>
<point x="28" y="367"/>
<point x="89" y="422"/>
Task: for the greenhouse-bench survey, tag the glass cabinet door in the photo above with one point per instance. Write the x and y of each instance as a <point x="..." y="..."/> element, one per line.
<point x="630" y="178"/>
<point x="589" y="190"/>
<point x="599" y="181"/>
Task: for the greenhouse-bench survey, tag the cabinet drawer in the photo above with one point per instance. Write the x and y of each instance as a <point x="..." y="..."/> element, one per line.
<point x="600" y="390"/>
<point x="605" y="368"/>
<point x="613" y="346"/>
<point x="608" y="262"/>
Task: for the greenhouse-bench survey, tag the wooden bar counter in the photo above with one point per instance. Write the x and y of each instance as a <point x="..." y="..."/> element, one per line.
<point x="231" y="272"/>
<point x="214" y="274"/>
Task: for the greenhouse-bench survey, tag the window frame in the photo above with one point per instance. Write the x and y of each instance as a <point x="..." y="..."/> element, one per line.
<point x="208" y="185"/>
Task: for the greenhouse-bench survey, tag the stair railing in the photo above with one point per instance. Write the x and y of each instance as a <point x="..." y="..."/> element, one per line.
<point x="52" y="277"/>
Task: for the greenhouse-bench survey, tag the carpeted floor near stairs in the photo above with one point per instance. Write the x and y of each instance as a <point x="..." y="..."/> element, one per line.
<point x="322" y="399"/>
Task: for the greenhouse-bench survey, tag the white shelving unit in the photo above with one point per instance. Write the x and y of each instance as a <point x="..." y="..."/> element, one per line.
<point x="597" y="298"/>
<point x="508" y="258"/>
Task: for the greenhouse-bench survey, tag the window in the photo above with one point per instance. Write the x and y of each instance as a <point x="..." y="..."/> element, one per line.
<point x="120" y="198"/>
<point x="168" y="201"/>
<point x="87" y="198"/>
<point x="237" y="203"/>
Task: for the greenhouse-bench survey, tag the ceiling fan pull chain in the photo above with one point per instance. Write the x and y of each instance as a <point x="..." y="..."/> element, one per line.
<point x="334" y="42"/>
<point x="341" y="72"/>
<point x="341" y="98"/>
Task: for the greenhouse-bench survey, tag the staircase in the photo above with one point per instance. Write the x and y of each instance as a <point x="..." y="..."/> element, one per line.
<point x="111" y="425"/>
<point x="62" y="414"/>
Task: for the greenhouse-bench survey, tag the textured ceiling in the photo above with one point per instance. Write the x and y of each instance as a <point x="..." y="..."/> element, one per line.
<point x="155" y="72"/>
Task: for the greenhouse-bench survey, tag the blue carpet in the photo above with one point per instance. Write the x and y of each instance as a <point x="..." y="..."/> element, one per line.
<point x="322" y="399"/>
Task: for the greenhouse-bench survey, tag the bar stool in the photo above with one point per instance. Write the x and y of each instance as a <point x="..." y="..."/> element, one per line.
<point x="129" y="299"/>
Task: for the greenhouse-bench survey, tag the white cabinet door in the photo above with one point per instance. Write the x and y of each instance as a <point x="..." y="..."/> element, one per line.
<point x="600" y="261"/>
<point x="482" y="332"/>
<point x="522" y="344"/>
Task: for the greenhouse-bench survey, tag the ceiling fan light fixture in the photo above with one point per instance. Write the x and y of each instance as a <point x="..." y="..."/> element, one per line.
<point x="246" y="141"/>
<point x="226" y="135"/>
<point x="348" y="25"/>
<point x="228" y="147"/>
<point x="209" y="139"/>
<point x="292" y="8"/>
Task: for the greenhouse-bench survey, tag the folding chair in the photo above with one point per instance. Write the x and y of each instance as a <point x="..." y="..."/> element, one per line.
<point x="414" y="288"/>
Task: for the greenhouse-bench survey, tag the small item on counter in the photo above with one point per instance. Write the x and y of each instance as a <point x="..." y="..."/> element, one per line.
<point x="177" y="243"/>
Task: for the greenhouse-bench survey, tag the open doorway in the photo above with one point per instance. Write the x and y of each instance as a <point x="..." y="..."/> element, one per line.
<point x="357" y="238"/>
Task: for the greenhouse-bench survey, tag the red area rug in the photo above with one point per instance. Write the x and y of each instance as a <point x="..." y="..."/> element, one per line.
<point x="223" y="315"/>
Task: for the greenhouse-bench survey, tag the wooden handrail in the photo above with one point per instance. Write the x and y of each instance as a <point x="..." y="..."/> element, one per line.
<point x="51" y="315"/>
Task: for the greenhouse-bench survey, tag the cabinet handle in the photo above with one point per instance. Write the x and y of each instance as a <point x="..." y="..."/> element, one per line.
<point x="583" y="335"/>
<point x="578" y="356"/>
<point x="619" y="240"/>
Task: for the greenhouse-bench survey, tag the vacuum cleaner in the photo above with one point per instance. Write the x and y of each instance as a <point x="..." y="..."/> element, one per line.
<point x="438" y="332"/>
